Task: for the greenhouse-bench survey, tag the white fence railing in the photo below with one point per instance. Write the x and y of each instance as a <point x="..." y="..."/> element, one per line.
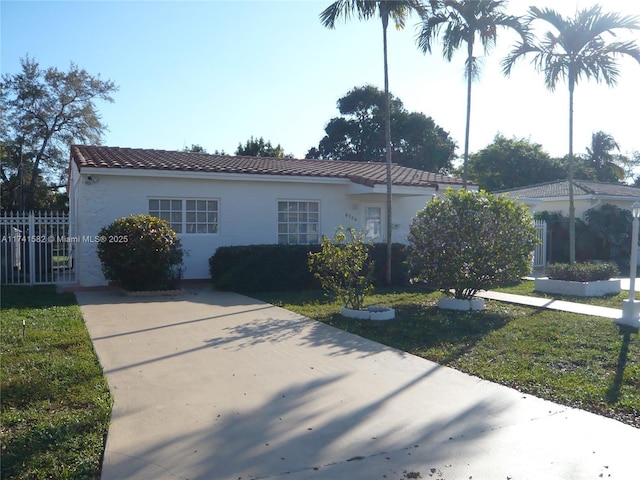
<point x="540" y="253"/>
<point x="36" y="248"/>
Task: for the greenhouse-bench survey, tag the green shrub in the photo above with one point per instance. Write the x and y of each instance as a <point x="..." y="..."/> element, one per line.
<point x="262" y="268"/>
<point x="276" y="268"/>
<point x="605" y="235"/>
<point x="468" y="241"/>
<point x="140" y="252"/>
<point x="581" y="272"/>
<point x="343" y="267"/>
<point x="399" y="265"/>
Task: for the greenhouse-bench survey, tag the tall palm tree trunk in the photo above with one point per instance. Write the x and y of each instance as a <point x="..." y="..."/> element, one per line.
<point x="465" y="161"/>
<point x="387" y="134"/>
<point x="572" y="209"/>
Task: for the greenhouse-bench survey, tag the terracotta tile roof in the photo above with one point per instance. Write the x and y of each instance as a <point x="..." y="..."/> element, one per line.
<point x="366" y="173"/>
<point x="580" y="188"/>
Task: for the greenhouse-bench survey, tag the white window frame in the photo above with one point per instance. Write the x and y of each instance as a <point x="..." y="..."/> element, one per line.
<point x="202" y="216"/>
<point x="298" y="221"/>
<point x="367" y="218"/>
<point x="168" y="209"/>
<point x="187" y="215"/>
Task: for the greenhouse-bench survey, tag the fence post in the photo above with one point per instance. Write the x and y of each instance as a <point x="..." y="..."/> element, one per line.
<point x="31" y="246"/>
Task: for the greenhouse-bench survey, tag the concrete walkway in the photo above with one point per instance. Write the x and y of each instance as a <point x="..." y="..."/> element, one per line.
<point x="213" y="385"/>
<point x="561" y="305"/>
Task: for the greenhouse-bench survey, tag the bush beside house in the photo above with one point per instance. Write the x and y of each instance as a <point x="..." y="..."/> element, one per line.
<point x="262" y="268"/>
<point x="468" y="241"/>
<point x="140" y="252"/>
<point x="605" y="235"/>
<point x="273" y="268"/>
<point x="344" y="268"/>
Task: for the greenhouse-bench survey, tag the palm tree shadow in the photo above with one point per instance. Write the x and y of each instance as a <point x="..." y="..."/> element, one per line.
<point x="613" y="393"/>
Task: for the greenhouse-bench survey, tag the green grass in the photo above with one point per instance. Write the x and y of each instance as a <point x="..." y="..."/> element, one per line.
<point x="575" y="360"/>
<point x="56" y="403"/>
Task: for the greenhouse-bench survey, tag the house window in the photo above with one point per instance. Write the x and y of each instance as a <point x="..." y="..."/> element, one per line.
<point x="169" y="210"/>
<point x="298" y="222"/>
<point x="373" y="222"/>
<point x="202" y="216"/>
<point x="187" y="216"/>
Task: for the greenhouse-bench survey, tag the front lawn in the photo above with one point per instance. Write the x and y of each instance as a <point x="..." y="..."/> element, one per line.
<point x="575" y="360"/>
<point x="56" y="403"/>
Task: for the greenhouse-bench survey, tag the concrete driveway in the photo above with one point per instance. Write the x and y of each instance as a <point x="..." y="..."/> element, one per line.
<point x="213" y="385"/>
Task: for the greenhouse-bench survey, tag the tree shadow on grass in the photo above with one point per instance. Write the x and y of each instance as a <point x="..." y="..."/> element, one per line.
<point x="418" y="328"/>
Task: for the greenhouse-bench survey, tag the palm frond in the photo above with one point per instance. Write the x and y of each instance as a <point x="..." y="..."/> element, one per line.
<point x="575" y="48"/>
<point x="473" y="67"/>
<point x="400" y="10"/>
<point x="362" y="9"/>
<point x="429" y="30"/>
<point x="548" y="15"/>
<point x="520" y="50"/>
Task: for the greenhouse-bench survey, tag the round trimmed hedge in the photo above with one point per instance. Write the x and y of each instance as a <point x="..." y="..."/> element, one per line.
<point x="140" y="252"/>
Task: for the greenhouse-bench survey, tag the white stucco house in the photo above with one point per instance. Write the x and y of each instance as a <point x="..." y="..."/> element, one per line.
<point x="553" y="197"/>
<point x="219" y="200"/>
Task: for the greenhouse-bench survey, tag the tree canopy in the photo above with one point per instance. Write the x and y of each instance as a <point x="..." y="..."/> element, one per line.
<point x="358" y="134"/>
<point x="609" y="167"/>
<point x="511" y="162"/>
<point x="257" y="147"/>
<point x="44" y="111"/>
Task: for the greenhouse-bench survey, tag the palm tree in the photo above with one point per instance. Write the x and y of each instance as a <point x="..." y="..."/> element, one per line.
<point x="465" y="21"/>
<point x="603" y="161"/>
<point x="575" y="48"/>
<point x="398" y="10"/>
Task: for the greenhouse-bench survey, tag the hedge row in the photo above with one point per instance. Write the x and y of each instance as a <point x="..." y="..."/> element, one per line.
<point x="581" y="272"/>
<point x="271" y="268"/>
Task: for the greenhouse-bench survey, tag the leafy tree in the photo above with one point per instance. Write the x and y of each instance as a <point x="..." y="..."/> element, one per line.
<point x="610" y="232"/>
<point x="510" y="163"/>
<point x="195" y="148"/>
<point x="608" y="167"/>
<point x="468" y="241"/>
<point x="343" y="267"/>
<point x="605" y="235"/>
<point x="575" y="48"/>
<point x="633" y="163"/>
<point x="43" y="112"/>
<point x="45" y="196"/>
<point x="357" y="135"/>
<point x="398" y="10"/>
<point x="257" y="147"/>
<point x="464" y="22"/>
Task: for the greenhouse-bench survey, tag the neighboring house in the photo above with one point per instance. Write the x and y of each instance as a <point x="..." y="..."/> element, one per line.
<point x="553" y="197"/>
<point x="219" y="200"/>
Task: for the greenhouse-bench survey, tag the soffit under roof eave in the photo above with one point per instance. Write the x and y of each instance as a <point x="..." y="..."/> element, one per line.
<point x="530" y="202"/>
<point x="589" y="197"/>
<point x="198" y="175"/>
<point x="396" y="190"/>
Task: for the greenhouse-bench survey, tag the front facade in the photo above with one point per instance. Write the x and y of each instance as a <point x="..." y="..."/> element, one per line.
<point x="214" y="200"/>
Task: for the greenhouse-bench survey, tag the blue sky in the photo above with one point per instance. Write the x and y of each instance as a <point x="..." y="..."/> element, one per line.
<point x="215" y="73"/>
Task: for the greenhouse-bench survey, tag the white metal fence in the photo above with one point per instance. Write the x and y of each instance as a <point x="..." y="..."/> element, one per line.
<point x="36" y="248"/>
<point x="540" y="253"/>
